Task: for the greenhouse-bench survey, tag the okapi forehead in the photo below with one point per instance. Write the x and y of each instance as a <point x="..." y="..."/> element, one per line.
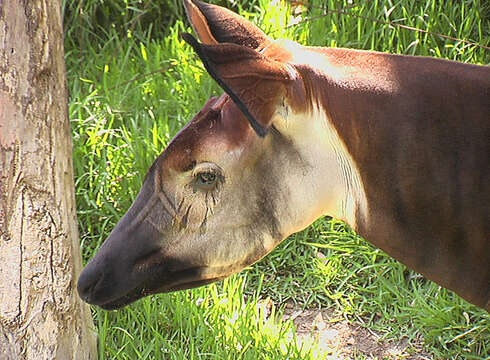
<point x="219" y="128"/>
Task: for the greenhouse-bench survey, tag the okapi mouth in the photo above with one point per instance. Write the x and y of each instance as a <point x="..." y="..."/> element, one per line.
<point x="181" y="280"/>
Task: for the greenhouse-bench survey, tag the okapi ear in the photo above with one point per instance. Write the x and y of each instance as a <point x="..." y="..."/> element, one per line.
<point x="215" y="24"/>
<point x="254" y="82"/>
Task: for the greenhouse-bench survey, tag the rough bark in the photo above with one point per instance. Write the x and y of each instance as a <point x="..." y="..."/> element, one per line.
<point x="41" y="316"/>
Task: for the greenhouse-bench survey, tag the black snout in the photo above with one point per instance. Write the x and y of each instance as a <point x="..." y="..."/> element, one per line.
<point x="101" y="280"/>
<point x="114" y="271"/>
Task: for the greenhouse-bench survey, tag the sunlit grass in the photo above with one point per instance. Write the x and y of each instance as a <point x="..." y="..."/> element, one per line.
<point x="132" y="91"/>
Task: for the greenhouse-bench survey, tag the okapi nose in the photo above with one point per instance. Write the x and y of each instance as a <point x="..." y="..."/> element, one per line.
<point x="87" y="282"/>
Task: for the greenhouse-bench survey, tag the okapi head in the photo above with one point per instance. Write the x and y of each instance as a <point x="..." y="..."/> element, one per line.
<point x="220" y="196"/>
<point x="395" y="145"/>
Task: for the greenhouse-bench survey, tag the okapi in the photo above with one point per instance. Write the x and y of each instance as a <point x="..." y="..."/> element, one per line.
<point x="397" y="146"/>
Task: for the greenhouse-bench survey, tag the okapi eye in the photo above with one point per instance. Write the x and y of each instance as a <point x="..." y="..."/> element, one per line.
<point x="206" y="176"/>
<point x="206" y="180"/>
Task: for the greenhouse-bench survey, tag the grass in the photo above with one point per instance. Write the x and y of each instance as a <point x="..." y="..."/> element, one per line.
<point x="134" y="84"/>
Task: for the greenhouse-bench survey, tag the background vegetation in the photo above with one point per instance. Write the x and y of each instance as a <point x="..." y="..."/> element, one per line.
<point x="134" y="83"/>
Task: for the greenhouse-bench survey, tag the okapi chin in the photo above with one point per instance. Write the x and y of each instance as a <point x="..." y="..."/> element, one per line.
<point x="395" y="145"/>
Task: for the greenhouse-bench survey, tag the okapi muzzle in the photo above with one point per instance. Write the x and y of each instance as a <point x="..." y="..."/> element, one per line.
<point x="139" y="258"/>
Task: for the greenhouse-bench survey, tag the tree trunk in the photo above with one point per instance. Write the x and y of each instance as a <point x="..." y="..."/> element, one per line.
<point x="41" y="316"/>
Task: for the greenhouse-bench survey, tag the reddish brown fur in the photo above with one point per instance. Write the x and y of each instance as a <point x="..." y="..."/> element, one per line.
<point x="422" y="150"/>
<point x="224" y="125"/>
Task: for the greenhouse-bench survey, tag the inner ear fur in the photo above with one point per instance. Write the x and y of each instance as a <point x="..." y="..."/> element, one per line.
<point x="215" y="24"/>
<point x="254" y="82"/>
